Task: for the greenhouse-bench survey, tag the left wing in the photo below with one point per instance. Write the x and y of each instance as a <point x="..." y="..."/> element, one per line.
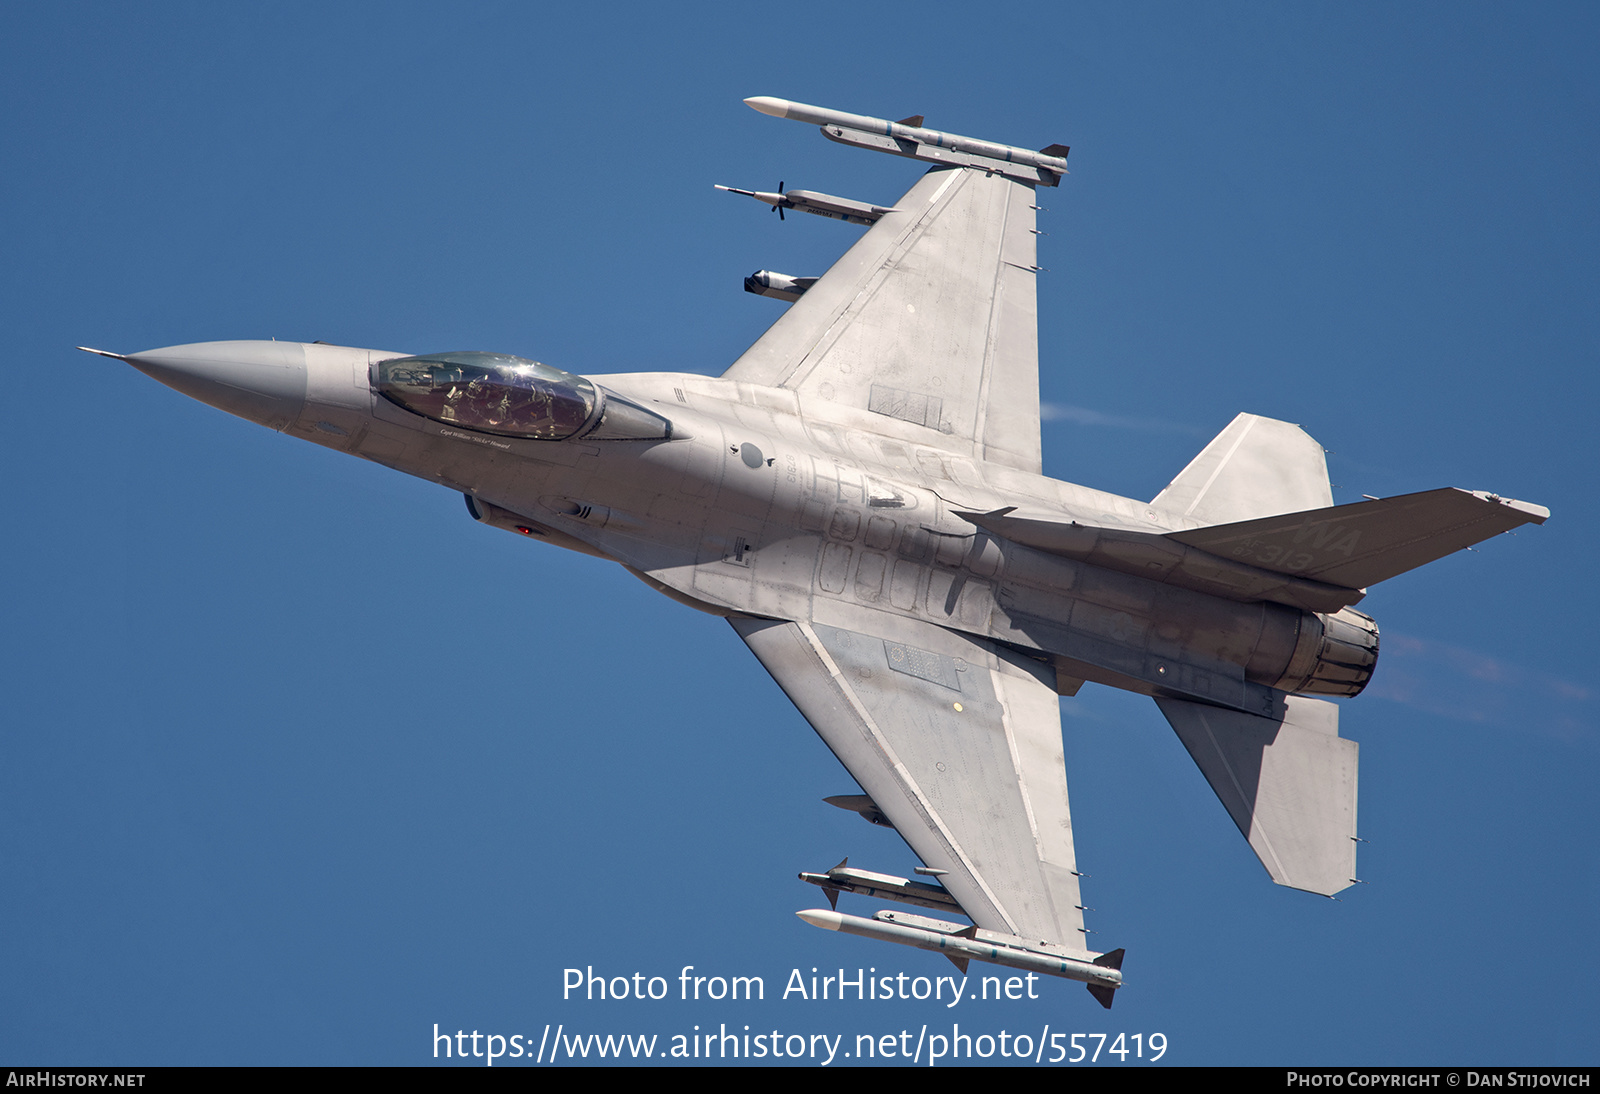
<point x="958" y="743"/>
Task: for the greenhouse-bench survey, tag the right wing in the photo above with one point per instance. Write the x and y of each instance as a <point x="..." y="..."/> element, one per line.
<point x="931" y="318"/>
<point x="958" y="743"/>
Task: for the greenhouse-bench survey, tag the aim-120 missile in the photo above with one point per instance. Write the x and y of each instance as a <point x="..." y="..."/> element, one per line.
<point x="1045" y="166"/>
<point x="1102" y="974"/>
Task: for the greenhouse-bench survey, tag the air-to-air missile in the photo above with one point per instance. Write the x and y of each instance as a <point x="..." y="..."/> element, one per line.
<point x="907" y="138"/>
<point x="960" y="944"/>
<point x="845" y="879"/>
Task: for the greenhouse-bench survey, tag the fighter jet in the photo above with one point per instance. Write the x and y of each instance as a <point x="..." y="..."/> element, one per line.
<point x="860" y="495"/>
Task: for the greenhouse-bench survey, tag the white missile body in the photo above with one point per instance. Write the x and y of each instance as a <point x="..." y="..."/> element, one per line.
<point x="1102" y="972"/>
<point x="1045" y="166"/>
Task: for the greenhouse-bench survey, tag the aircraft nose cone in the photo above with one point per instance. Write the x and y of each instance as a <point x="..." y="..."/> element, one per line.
<point x="262" y="381"/>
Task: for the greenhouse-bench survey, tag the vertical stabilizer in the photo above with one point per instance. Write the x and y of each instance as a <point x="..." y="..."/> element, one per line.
<point x="1257" y="467"/>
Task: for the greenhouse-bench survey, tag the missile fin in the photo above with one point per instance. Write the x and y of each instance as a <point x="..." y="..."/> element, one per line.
<point x="1112" y="960"/>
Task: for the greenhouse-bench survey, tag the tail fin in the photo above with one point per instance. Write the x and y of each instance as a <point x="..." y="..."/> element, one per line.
<point x="1288" y="782"/>
<point x="1257" y="467"/>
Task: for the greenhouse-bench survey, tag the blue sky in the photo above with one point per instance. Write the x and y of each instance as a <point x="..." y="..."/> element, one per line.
<point x="299" y="761"/>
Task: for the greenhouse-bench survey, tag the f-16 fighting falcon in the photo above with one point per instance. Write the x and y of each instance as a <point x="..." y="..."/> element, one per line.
<point x="860" y="496"/>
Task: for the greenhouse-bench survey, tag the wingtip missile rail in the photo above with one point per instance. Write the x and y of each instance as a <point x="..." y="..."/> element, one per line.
<point x="896" y="138"/>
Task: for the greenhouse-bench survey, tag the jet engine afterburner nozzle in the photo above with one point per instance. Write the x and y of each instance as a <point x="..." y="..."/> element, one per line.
<point x="1334" y="657"/>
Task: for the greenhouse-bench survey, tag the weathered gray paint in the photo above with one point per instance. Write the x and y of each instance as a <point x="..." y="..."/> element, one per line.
<point x="860" y="494"/>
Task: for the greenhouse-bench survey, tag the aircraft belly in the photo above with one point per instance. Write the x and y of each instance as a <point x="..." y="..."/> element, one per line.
<point x="1102" y="625"/>
<point x="752" y="554"/>
<point x="782" y="582"/>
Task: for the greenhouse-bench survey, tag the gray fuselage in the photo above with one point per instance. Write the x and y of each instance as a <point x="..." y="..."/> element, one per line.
<point x="758" y="505"/>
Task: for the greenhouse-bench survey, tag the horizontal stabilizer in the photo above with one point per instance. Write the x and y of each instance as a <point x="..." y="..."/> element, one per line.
<point x="1357" y="545"/>
<point x="1289" y="784"/>
<point x="1256" y="467"/>
<point x="1161" y="558"/>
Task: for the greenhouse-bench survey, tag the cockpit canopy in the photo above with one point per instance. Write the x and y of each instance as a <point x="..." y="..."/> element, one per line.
<point x="490" y="393"/>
